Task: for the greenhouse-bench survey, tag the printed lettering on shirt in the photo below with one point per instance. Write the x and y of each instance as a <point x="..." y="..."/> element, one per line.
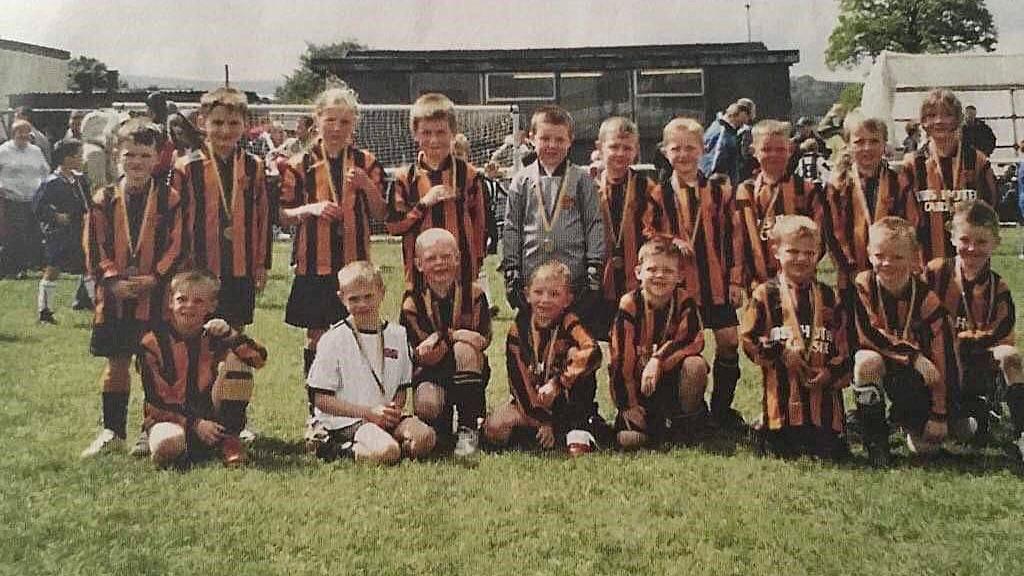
<point x="820" y="342"/>
<point x="944" y="200"/>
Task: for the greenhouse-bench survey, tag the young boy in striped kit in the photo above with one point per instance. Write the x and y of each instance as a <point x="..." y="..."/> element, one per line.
<point x="225" y="196"/>
<point x="329" y="193"/>
<point x="947" y="170"/>
<point x="438" y="191"/>
<point x="773" y="195"/>
<point x="697" y="211"/>
<point x="794" y="328"/>
<point x="196" y="372"/>
<point x="657" y="374"/>
<point x="905" y="348"/>
<point x="981" y="308"/>
<point x="449" y="330"/>
<point x="623" y="197"/>
<point x="548" y="353"/>
<point x="133" y="242"/>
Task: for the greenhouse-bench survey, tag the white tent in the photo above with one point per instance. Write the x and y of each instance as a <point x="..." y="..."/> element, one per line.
<point x="994" y="83"/>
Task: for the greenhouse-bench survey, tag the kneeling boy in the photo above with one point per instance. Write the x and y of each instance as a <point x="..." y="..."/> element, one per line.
<point x="196" y="376"/>
<point x="448" y="331"/>
<point x="794" y="328"/>
<point x="904" y="349"/>
<point x="657" y="374"/>
<point x="548" y="352"/>
<point x="359" y="376"/>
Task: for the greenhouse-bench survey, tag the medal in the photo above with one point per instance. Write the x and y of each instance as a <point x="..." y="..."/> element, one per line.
<point x="605" y="202"/>
<point x="548" y="245"/>
<point x="223" y="194"/>
<point x="135" y="244"/>
<point x="618" y="263"/>
<point x="228" y="233"/>
<point x="538" y="369"/>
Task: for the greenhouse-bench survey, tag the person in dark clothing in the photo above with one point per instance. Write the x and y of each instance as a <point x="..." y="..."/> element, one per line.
<point x="976" y="132"/>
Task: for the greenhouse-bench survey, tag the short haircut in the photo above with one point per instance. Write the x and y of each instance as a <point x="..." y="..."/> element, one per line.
<point x="360" y="272"/>
<point x="661" y="245"/>
<point x="460" y="146"/>
<point x="140" y="131"/>
<point x="941" y="100"/>
<point x="231" y="98"/>
<point x="195" y="278"/>
<point x="433" y="106"/>
<point x="976" y="213"/>
<point x="767" y="128"/>
<point x="552" y="269"/>
<point x="895" y="227"/>
<point x="21" y="124"/>
<point x="872" y="125"/>
<point x="65" y="149"/>
<point x="341" y="97"/>
<point x="432" y="236"/>
<point x="616" y="126"/>
<point x="554" y="115"/>
<point x="794" y="226"/>
<point x="681" y="124"/>
<point x="749" y="105"/>
<point x="911" y="127"/>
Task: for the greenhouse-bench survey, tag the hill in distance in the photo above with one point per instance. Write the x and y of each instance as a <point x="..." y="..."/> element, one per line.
<point x="262" y="87"/>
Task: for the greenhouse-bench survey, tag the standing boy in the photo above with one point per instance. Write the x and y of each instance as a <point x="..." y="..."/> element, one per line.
<point x="794" y="328"/>
<point x="904" y="349"/>
<point x="449" y="330"/>
<point x="133" y="245"/>
<point x="360" y="375"/>
<point x="657" y="375"/>
<point x="196" y="372"/>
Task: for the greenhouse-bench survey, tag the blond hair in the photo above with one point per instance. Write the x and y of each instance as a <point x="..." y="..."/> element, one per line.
<point x="941" y="100"/>
<point x="681" y="125"/>
<point x="360" y="272"/>
<point x="432" y="236"/>
<point x="661" y="245"/>
<point x="873" y="125"/>
<point x="433" y="106"/>
<point x="793" y="226"/>
<point x="616" y="126"/>
<point x="894" y="227"/>
<point x="231" y="98"/>
<point x="767" y="128"/>
<point x="552" y="269"/>
<point x="340" y="97"/>
<point x="195" y="279"/>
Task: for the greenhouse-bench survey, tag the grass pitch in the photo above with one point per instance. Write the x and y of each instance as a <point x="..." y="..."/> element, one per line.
<point x="716" y="509"/>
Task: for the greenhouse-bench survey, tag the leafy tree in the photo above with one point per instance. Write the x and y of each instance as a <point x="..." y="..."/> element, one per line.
<point x="303" y="84"/>
<point x="86" y="74"/>
<point x="851" y="95"/>
<point x="867" y="27"/>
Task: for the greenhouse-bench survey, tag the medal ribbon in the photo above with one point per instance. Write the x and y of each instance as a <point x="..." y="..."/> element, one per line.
<point x="607" y="210"/>
<point x="337" y="192"/>
<point x="134" y="245"/>
<point x="972" y="323"/>
<point x="905" y="334"/>
<point x="683" y="193"/>
<point x="648" y="330"/>
<point x="542" y="209"/>
<point x="544" y="366"/>
<point x="366" y="358"/>
<point x="790" y="319"/>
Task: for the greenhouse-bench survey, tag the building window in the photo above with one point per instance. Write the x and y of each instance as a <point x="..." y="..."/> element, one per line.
<point x="519" y="86"/>
<point x="670" y="82"/>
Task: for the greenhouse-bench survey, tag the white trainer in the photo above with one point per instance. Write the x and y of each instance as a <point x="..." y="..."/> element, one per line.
<point x="1019" y="443"/>
<point x="467" y="442"/>
<point x="104" y="443"/>
<point x="918" y="445"/>
<point x="141" y="447"/>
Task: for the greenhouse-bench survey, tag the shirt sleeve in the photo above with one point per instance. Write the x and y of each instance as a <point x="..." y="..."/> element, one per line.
<point x="325" y="373"/>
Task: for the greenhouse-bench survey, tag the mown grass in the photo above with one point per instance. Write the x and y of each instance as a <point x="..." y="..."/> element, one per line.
<point x="716" y="509"/>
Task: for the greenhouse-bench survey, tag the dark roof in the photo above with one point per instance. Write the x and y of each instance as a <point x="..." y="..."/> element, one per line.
<point x="14" y="46"/>
<point x="568" y="59"/>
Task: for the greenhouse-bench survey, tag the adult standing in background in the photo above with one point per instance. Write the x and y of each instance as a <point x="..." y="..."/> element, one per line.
<point x="976" y="132"/>
<point x="22" y="169"/>
<point x="36" y="136"/>
<point x="98" y="161"/>
<point x="75" y="125"/>
<point x="721" y="143"/>
<point x="748" y="164"/>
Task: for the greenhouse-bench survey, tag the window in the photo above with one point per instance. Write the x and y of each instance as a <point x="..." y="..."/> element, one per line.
<point x="670" y="82"/>
<point x="519" y="86"/>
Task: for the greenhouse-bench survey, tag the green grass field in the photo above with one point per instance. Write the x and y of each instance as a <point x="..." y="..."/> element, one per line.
<point x="714" y="510"/>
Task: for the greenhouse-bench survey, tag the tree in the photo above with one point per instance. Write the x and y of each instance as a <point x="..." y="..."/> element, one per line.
<point x="867" y="27"/>
<point x="303" y="84"/>
<point x="86" y="74"/>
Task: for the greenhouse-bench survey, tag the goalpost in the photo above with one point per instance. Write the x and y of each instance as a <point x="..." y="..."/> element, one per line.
<point x="384" y="130"/>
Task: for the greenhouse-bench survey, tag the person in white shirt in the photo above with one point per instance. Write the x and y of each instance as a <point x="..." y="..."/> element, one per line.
<point x="22" y="169"/>
<point x="360" y="378"/>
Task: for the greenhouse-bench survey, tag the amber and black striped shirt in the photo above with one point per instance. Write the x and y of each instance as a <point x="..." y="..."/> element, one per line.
<point x="992" y="315"/>
<point x="622" y="214"/>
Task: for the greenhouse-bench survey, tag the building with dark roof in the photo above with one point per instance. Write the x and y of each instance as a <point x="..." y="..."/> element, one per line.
<point x="650" y="84"/>
<point x="29" y="67"/>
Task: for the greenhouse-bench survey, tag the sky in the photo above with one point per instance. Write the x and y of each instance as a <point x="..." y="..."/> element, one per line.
<point x="262" y="40"/>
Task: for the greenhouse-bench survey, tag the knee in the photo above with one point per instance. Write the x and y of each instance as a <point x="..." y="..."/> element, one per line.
<point x="868" y="366"/>
<point x="1009" y="359"/>
<point x="695" y="372"/>
<point x="428" y="401"/>
<point x="467" y="358"/>
<point x="387" y="453"/>
<point x="498" y="427"/>
<point x="419" y="441"/>
<point x="631" y="439"/>
<point x="166" y="443"/>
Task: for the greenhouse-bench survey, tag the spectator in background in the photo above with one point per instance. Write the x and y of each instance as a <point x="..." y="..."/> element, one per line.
<point x="305" y="134"/>
<point x="75" y="125"/>
<point x="831" y="130"/>
<point x="804" y="131"/>
<point x="22" y="169"/>
<point x="748" y="164"/>
<point x="98" y="161"/>
<point x="913" y="140"/>
<point x="1020" y="193"/>
<point x="506" y="154"/>
<point x="184" y="135"/>
<point x="811" y="164"/>
<point x="976" y="132"/>
<point x="721" y="143"/>
<point x="36" y="136"/>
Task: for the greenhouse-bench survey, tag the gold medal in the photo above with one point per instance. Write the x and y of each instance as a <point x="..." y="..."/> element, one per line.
<point x="618" y="263"/>
<point x="548" y="245"/>
<point x="228" y="233"/>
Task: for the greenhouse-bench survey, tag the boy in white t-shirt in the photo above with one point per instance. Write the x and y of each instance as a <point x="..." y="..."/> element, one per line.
<point x="360" y="375"/>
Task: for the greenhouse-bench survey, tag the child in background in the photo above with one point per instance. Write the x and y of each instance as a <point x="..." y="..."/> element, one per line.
<point x="794" y="328"/>
<point x="360" y="376"/>
<point x="981" y="308"/>
<point x="548" y="352"/>
<point x="657" y="375"/>
<point x="133" y="243"/>
<point x="196" y="372"/>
